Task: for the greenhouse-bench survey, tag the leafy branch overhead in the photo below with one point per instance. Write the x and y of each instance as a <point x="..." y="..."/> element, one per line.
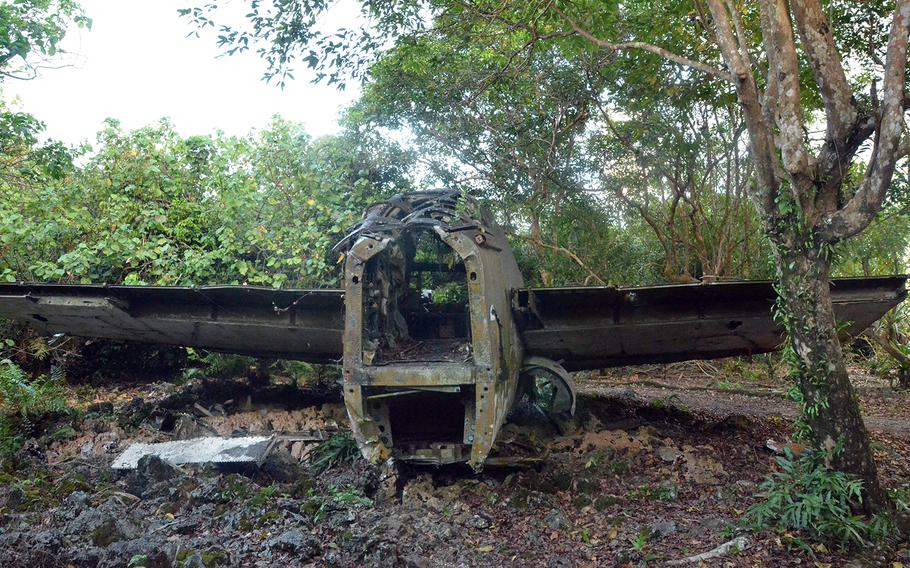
<point x="33" y="29"/>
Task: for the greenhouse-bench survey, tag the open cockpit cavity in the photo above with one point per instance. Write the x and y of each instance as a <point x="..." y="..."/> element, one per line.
<point x="415" y="303"/>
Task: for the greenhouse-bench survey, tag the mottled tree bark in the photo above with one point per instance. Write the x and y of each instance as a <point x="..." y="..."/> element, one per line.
<point x="829" y="405"/>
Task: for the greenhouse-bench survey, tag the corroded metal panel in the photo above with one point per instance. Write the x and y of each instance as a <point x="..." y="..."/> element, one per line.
<point x="292" y="324"/>
<point x="590" y="328"/>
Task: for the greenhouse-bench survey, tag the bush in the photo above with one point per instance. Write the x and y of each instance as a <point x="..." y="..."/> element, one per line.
<point x="30" y="397"/>
<point x="807" y="496"/>
<point x="338" y="449"/>
<point x="23" y="399"/>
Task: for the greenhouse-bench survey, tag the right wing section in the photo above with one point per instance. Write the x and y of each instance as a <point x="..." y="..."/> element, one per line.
<point x="248" y="320"/>
<point x="592" y="328"/>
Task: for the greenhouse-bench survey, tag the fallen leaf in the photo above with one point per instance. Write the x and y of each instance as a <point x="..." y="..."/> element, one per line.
<point x="485" y="549"/>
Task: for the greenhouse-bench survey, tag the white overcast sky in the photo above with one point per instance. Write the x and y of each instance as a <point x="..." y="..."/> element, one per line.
<point x="137" y="65"/>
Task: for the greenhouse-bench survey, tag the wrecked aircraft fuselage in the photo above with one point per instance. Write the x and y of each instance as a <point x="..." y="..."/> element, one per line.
<point x="429" y="373"/>
<point x="436" y="333"/>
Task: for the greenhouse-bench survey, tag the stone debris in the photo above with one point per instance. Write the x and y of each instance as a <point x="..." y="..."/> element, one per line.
<point x="251" y="449"/>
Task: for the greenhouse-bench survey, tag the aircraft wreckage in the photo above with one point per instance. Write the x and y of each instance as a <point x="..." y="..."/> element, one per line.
<point x="436" y="333"/>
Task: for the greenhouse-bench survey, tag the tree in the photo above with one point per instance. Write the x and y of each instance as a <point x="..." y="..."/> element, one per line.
<point x="34" y="27"/>
<point x="799" y="192"/>
<point x="152" y="207"/>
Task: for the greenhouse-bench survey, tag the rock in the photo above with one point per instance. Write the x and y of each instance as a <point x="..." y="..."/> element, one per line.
<point x="187" y="427"/>
<point x="414" y="561"/>
<point x="149" y="476"/>
<point x="702" y="470"/>
<point x="587" y="485"/>
<point x="154" y="468"/>
<point x="100" y="408"/>
<point x="106" y="524"/>
<point x="194" y="561"/>
<point x="713" y="524"/>
<point x="297" y="450"/>
<point x="662" y="529"/>
<point x="207" y="492"/>
<point x="280" y="466"/>
<point x="555" y="520"/>
<point x="158" y="553"/>
<point x="669" y="454"/>
<point x="560" y="562"/>
<point x="605" y="501"/>
<point x="295" y="542"/>
<point x="47" y="543"/>
<point x="14" y="499"/>
<point x="72" y="506"/>
<point x="480" y="522"/>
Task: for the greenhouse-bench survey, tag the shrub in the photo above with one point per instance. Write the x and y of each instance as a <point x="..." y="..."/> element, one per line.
<point x="338" y="449"/>
<point x="807" y="496"/>
<point x="30" y="397"/>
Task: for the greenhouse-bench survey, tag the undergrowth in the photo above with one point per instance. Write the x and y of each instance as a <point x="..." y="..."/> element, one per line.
<point x="340" y="448"/>
<point x="806" y="496"/>
<point x="23" y="399"/>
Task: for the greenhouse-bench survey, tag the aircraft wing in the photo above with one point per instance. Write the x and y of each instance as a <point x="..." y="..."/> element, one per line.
<point x="596" y="327"/>
<point x="249" y="320"/>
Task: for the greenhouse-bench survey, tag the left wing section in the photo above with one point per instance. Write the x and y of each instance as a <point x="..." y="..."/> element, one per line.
<point x="248" y="320"/>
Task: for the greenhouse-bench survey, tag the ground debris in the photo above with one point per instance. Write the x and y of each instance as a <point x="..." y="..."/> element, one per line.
<point x="621" y="488"/>
<point x="738" y="544"/>
<point x="252" y="449"/>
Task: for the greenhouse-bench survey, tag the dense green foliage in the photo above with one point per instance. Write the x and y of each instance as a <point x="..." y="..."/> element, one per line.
<point x="151" y="207"/>
<point x="805" y="495"/>
<point x="34" y="28"/>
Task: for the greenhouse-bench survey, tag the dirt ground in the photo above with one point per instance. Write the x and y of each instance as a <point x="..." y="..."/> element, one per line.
<point x="659" y="464"/>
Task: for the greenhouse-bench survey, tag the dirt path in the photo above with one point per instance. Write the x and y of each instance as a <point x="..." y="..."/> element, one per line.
<point x="722" y="403"/>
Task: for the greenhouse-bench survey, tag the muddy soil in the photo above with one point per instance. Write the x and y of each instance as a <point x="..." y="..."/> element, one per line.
<point x="659" y="464"/>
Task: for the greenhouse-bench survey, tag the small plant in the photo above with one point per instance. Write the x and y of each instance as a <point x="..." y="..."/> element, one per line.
<point x="28" y="397"/>
<point x="138" y="561"/>
<point x="585" y="535"/>
<point x="350" y="495"/>
<point x="641" y="540"/>
<point x="650" y="493"/>
<point x="339" y="448"/>
<point x="263" y="496"/>
<point x="805" y="495"/>
<point x="901" y="497"/>
<point x="597" y="457"/>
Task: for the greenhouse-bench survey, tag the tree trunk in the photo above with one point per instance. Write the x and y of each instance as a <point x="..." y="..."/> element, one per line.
<point x="829" y="404"/>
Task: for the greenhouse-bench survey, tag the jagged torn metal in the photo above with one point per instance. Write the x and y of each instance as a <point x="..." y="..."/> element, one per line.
<point x="248" y="449"/>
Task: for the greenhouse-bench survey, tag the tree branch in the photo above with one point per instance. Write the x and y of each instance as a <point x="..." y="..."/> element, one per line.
<point x="867" y="201"/>
<point x="784" y="65"/>
<point x="637" y="45"/>
<point x="818" y="41"/>
<point x="760" y="139"/>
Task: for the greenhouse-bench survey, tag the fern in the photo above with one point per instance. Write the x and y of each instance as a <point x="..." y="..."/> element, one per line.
<point x="805" y="495"/>
<point x="29" y="397"/>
